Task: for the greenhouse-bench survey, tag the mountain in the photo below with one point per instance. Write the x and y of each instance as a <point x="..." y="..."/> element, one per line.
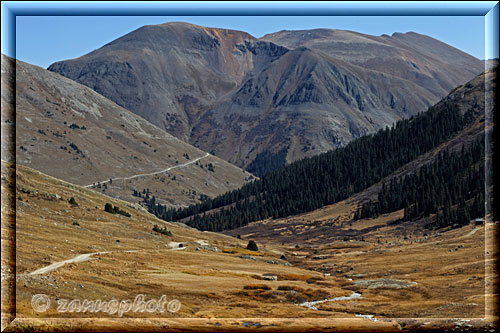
<point x="423" y="60"/>
<point x="306" y="102"/>
<point x="169" y="73"/>
<point x="450" y="177"/>
<point x="246" y="99"/>
<point x="71" y="132"/>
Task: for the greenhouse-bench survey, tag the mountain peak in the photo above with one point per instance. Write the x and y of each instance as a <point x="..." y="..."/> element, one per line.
<point x="236" y="96"/>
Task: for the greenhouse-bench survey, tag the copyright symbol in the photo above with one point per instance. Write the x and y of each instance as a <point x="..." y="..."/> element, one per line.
<point x="174" y="305"/>
<point x="40" y="302"/>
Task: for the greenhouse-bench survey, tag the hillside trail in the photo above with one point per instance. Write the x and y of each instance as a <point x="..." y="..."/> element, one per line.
<point x="56" y="265"/>
<point x="150" y="174"/>
<point x="85" y="257"/>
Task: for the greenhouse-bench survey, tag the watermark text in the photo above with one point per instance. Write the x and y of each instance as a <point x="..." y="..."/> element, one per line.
<point x="41" y="303"/>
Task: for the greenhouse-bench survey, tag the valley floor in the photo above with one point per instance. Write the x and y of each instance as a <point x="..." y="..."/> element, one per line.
<point x="338" y="280"/>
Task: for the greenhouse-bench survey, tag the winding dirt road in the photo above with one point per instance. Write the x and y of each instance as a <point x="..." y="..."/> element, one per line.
<point x="56" y="265"/>
<point x="87" y="256"/>
<point x="150" y="174"/>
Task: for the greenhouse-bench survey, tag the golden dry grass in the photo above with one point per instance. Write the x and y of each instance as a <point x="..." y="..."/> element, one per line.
<point x="207" y="283"/>
<point x="449" y="284"/>
<point x="450" y="269"/>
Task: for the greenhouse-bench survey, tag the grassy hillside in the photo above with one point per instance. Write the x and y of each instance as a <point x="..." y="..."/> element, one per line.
<point x="216" y="279"/>
<point x="123" y="256"/>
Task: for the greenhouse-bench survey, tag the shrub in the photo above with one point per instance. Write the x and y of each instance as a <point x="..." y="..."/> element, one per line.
<point x="291" y="288"/>
<point x="295" y="297"/>
<point x="268" y="294"/>
<point x="162" y="230"/>
<point x="73" y="202"/>
<point x="75" y="147"/>
<point x="109" y="208"/>
<point x="314" y="279"/>
<point x="257" y="286"/>
<point x="252" y="246"/>
<point x="122" y="212"/>
<point x="315" y="294"/>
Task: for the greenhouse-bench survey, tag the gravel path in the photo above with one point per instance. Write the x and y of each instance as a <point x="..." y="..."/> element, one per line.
<point x="152" y="173"/>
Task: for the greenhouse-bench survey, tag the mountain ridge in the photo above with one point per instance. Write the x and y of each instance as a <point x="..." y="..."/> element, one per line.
<point x="180" y="77"/>
<point x="71" y="132"/>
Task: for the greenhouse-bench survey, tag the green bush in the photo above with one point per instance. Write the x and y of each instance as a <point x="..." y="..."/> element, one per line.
<point x="109" y="208"/>
<point x="252" y="246"/>
<point x="162" y="230"/>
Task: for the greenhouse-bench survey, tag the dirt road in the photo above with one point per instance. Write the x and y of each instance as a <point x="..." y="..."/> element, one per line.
<point x="152" y="173"/>
<point x="85" y="257"/>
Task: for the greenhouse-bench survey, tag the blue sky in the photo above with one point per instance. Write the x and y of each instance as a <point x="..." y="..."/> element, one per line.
<point x="42" y="40"/>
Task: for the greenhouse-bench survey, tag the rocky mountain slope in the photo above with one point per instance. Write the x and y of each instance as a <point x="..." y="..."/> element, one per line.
<point x="336" y="220"/>
<point x="425" y="61"/>
<point x="307" y="102"/>
<point x="312" y="183"/>
<point x="71" y="132"/>
<point x="237" y="96"/>
<point x="170" y="73"/>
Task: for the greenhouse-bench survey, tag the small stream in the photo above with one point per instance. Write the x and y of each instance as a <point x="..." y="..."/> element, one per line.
<point x="366" y="316"/>
<point x="312" y="305"/>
